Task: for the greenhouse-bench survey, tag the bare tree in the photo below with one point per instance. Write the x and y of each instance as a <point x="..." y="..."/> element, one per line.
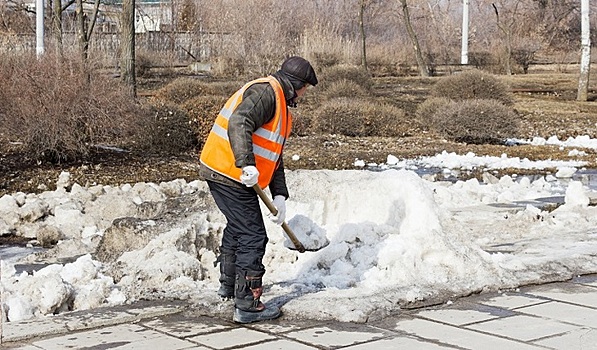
<point x="14" y="17"/>
<point x="57" y="10"/>
<point x="127" y="45"/>
<point x="85" y="27"/>
<point x="422" y="65"/>
<point x="362" y="6"/>
<point x="506" y="27"/>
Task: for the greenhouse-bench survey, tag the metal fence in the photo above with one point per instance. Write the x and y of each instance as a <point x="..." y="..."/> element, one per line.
<point x="183" y="46"/>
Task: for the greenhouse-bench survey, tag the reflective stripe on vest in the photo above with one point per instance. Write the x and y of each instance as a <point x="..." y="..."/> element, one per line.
<point x="268" y="140"/>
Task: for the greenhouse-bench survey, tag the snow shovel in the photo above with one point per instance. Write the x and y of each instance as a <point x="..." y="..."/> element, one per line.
<point x="297" y="244"/>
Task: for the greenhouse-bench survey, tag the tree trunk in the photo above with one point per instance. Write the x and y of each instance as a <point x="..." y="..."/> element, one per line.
<point x="81" y="32"/>
<point x="57" y="27"/>
<point x="585" y="56"/>
<point x="127" y="45"/>
<point x="363" y="37"/>
<point x="423" y="71"/>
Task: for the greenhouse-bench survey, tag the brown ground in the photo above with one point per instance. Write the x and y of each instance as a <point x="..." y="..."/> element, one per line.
<point x="545" y="102"/>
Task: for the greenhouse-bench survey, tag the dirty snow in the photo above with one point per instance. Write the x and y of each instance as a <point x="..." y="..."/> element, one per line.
<point x="395" y="239"/>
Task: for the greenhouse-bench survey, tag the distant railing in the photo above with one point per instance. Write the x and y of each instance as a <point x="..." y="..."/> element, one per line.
<point x="183" y="46"/>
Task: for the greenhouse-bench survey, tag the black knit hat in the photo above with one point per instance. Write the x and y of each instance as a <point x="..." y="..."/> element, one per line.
<point x="300" y="69"/>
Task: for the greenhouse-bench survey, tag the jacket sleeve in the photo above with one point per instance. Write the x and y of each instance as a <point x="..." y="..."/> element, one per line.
<point x="278" y="184"/>
<point x="257" y="107"/>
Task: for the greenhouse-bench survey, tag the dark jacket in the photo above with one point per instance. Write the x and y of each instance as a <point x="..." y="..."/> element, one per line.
<point x="256" y="109"/>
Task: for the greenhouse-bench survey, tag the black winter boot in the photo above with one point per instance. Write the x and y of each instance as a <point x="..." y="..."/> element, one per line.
<point x="227" y="275"/>
<point x="248" y="307"/>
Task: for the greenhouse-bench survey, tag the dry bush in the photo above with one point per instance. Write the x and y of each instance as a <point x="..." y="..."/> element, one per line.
<point x="343" y="88"/>
<point x="226" y="66"/>
<point x="183" y="89"/>
<point x="202" y="112"/>
<point x="325" y="59"/>
<point x="301" y="122"/>
<point x="473" y="84"/>
<point x="476" y="121"/>
<point x="481" y="59"/>
<point x="57" y="112"/>
<point x="358" y="118"/>
<point x="524" y="57"/>
<point x="427" y="109"/>
<point x="356" y="74"/>
<point x="143" y="64"/>
<point x="164" y="128"/>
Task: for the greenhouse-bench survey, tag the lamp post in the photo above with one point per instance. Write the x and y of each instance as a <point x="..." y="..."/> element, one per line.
<point x="39" y="27"/>
<point x="464" y="53"/>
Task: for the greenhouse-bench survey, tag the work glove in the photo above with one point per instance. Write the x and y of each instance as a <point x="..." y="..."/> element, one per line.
<point x="250" y="176"/>
<point x="280" y="203"/>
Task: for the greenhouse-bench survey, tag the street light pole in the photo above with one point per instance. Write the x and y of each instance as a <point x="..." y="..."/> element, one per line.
<point x="39" y="27"/>
<point x="464" y="54"/>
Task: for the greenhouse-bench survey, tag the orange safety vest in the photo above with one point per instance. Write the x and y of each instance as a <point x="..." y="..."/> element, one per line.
<point x="268" y="140"/>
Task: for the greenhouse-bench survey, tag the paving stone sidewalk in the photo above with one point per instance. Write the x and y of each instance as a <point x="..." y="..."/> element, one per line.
<point x="550" y="316"/>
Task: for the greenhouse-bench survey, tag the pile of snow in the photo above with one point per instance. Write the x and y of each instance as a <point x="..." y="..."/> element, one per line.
<point x="470" y="161"/>
<point x="394" y="239"/>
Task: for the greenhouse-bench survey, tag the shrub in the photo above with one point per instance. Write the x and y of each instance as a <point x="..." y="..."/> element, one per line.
<point x="358" y="117"/>
<point x="301" y="122"/>
<point x="164" y="128"/>
<point x="143" y="64"/>
<point x="58" y="113"/>
<point x="427" y="109"/>
<point x="228" y="66"/>
<point x="472" y="84"/>
<point x="480" y="59"/>
<point x="524" y="57"/>
<point x="356" y="74"/>
<point x="322" y="59"/>
<point x="202" y="112"/>
<point x="183" y="89"/>
<point x="476" y="121"/>
<point x="343" y="88"/>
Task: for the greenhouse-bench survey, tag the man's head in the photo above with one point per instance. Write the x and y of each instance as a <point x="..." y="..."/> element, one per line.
<point x="299" y="71"/>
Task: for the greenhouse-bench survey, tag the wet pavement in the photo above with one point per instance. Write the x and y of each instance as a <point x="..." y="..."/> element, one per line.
<point x="550" y="316"/>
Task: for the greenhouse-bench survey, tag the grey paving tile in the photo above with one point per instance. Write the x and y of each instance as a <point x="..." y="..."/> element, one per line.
<point x="151" y="311"/>
<point x="26" y="329"/>
<point x="231" y="338"/>
<point x="184" y="328"/>
<point x="96" y="318"/>
<point x="554" y="310"/>
<point x="282" y="344"/>
<point x="399" y="343"/>
<point x="276" y="328"/>
<point x="163" y="342"/>
<point x="334" y="337"/>
<point x="511" y="302"/>
<point x="525" y="328"/>
<point x="124" y="336"/>
<point x="25" y="347"/>
<point x="570" y="292"/>
<point x="455" y="316"/>
<point x="581" y="338"/>
<point x="456" y="336"/>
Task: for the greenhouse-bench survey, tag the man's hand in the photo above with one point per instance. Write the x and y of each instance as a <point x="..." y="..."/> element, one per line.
<point x="250" y="176"/>
<point x="280" y="204"/>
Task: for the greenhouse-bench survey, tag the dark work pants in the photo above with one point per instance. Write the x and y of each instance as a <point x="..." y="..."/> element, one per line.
<point x="244" y="235"/>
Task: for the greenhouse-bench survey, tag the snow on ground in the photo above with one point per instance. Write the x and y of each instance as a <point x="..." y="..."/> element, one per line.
<point x="395" y="238"/>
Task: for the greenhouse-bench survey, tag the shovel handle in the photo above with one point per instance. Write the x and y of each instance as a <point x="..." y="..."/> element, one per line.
<point x="268" y="203"/>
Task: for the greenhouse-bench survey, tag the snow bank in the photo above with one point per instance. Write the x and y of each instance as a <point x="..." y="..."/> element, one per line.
<point x="395" y="239"/>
